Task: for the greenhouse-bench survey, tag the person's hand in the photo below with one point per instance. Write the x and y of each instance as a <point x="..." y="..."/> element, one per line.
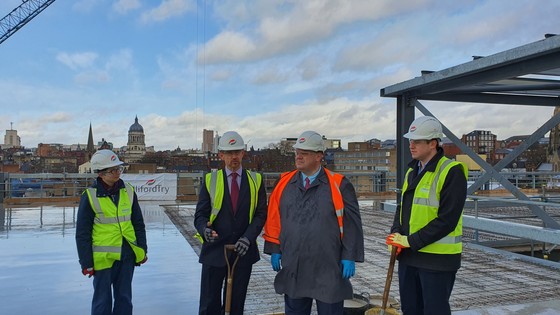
<point x="88" y="272"/>
<point x="143" y="261"/>
<point x="242" y="246"/>
<point x="348" y="268"/>
<point x="390" y="249"/>
<point x="398" y="240"/>
<point x="275" y="261"/>
<point x="210" y="235"/>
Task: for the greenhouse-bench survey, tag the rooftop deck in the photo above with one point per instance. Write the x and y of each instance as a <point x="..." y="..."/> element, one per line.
<point x="489" y="279"/>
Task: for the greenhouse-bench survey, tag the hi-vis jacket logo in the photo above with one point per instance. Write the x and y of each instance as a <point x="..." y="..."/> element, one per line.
<point x="152" y="186"/>
<point x="232" y="142"/>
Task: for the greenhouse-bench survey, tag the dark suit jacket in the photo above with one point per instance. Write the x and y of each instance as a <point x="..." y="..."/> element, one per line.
<point x="229" y="227"/>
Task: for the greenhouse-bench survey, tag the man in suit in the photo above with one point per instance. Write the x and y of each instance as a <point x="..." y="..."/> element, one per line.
<point x="231" y="209"/>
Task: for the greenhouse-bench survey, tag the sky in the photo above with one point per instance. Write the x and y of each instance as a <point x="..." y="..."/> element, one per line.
<point x="268" y="69"/>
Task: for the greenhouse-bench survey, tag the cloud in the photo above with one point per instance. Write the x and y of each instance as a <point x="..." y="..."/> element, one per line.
<point x="166" y="10"/>
<point x="120" y="61"/>
<point x="88" y="77"/>
<point x="77" y="61"/>
<point x="228" y="46"/>
<point x="124" y="6"/>
<point x="279" y="28"/>
<point x="270" y="75"/>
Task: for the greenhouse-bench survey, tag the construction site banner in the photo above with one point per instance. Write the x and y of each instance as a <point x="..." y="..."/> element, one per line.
<point x="153" y="186"/>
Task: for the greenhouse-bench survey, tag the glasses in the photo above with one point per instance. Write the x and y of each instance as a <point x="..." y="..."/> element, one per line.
<point x="114" y="170"/>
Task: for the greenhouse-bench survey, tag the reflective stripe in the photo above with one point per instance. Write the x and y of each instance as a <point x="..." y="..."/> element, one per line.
<point x="338" y="202"/>
<point x="432" y="200"/>
<point x="425" y="208"/>
<point x="130" y="193"/>
<point x="101" y="218"/>
<point x="215" y="186"/>
<point x="254" y="186"/>
<point x="96" y="206"/>
<point x="121" y="218"/>
<point x="106" y="249"/>
<point x="108" y="224"/>
<point x="212" y="193"/>
<point x="273" y="225"/>
<point x="450" y="239"/>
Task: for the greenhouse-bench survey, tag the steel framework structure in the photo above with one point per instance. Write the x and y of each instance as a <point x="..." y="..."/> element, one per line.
<point x="20" y="16"/>
<point x="526" y="75"/>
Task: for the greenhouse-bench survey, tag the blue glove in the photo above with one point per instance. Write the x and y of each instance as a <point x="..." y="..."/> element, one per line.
<point x="348" y="268"/>
<point x="275" y="261"/>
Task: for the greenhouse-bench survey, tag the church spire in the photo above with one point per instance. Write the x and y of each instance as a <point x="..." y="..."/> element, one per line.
<point x="90" y="149"/>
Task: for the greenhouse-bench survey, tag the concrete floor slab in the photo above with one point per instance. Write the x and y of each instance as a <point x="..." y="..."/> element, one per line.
<point x="40" y="273"/>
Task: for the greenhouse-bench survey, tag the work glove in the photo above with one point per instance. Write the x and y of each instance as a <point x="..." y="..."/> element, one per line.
<point x="242" y="246"/>
<point x="88" y="272"/>
<point x="210" y="235"/>
<point x="348" y="268"/>
<point x="275" y="261"/>
<point x="143" y="261"/>
<point x="390" y="249"/>
<point x="398" y="240"/>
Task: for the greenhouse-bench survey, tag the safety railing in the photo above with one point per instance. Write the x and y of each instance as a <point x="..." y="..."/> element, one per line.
<point x="67" y="187"/>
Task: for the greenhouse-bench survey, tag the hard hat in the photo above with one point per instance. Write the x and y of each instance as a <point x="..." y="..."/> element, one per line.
<point x="231" y="141"/>
<point x="103" y="159"/>
<point x="424" y="128"/>
<point x="311" y="141"/>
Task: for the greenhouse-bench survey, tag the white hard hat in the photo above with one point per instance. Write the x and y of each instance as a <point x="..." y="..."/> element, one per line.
<point x="103" y="159"/>
<point x="424" y="128"/>
<point x="231" y="141"/>
<point x="311" y="141"/>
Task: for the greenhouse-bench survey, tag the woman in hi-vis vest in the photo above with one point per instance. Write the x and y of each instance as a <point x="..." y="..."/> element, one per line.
<point x="110" y="236"/>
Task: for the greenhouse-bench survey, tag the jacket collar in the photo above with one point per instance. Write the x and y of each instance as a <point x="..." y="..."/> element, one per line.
<point x="104" y="191"/>
<point x="431" y="166"/>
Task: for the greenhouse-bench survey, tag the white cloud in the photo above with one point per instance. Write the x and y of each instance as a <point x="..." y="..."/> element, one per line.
<point x="120" y="61"/>
<point x="124" y="6"/>
<point x="282" y="28"/>
<point x="228" y="47"/>
<point x="77" y="61"/>
<point x="166" y="10"/>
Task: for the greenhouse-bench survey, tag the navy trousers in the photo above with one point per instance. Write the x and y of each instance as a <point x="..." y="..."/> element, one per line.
<point x="115" y="282"/>
<point x="424" y="291"/>
<point x="213" y="289"/>
<point x="302" y="306"/>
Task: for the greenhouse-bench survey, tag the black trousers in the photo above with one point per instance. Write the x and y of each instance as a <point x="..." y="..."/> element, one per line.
<point x="213" y="289"/>
<point x="424" y="291"/>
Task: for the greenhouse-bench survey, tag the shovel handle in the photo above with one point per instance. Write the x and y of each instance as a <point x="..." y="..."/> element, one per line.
<point x="229" y="281"/>
<point x="389" y="277"/>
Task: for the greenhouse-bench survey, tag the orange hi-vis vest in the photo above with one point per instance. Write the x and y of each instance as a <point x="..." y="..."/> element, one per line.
<point x="273" y="225"/>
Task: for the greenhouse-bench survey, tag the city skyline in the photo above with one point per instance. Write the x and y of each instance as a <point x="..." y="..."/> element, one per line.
<point x="268" y="70"/>
<point x="98" y="142"/>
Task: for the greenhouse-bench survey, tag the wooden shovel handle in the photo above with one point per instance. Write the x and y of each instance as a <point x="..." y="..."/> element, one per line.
<point x="229" y="281"/>
<point x="389" y="277"/>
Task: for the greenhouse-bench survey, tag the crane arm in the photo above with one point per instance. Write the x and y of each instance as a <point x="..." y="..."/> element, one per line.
<point x="19" y="16"/>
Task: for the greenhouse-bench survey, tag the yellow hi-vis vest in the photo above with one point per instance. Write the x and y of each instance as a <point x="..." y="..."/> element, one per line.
<point x="215" y="186"/>
<point x="110" y="226"/>
<point x="425" y="207"/>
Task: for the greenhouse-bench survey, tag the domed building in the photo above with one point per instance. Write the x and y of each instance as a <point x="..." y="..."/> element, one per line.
<point x="136" y="145"/>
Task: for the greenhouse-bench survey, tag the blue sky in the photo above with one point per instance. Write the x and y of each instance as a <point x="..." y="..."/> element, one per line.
<point x="269" y="69"/>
